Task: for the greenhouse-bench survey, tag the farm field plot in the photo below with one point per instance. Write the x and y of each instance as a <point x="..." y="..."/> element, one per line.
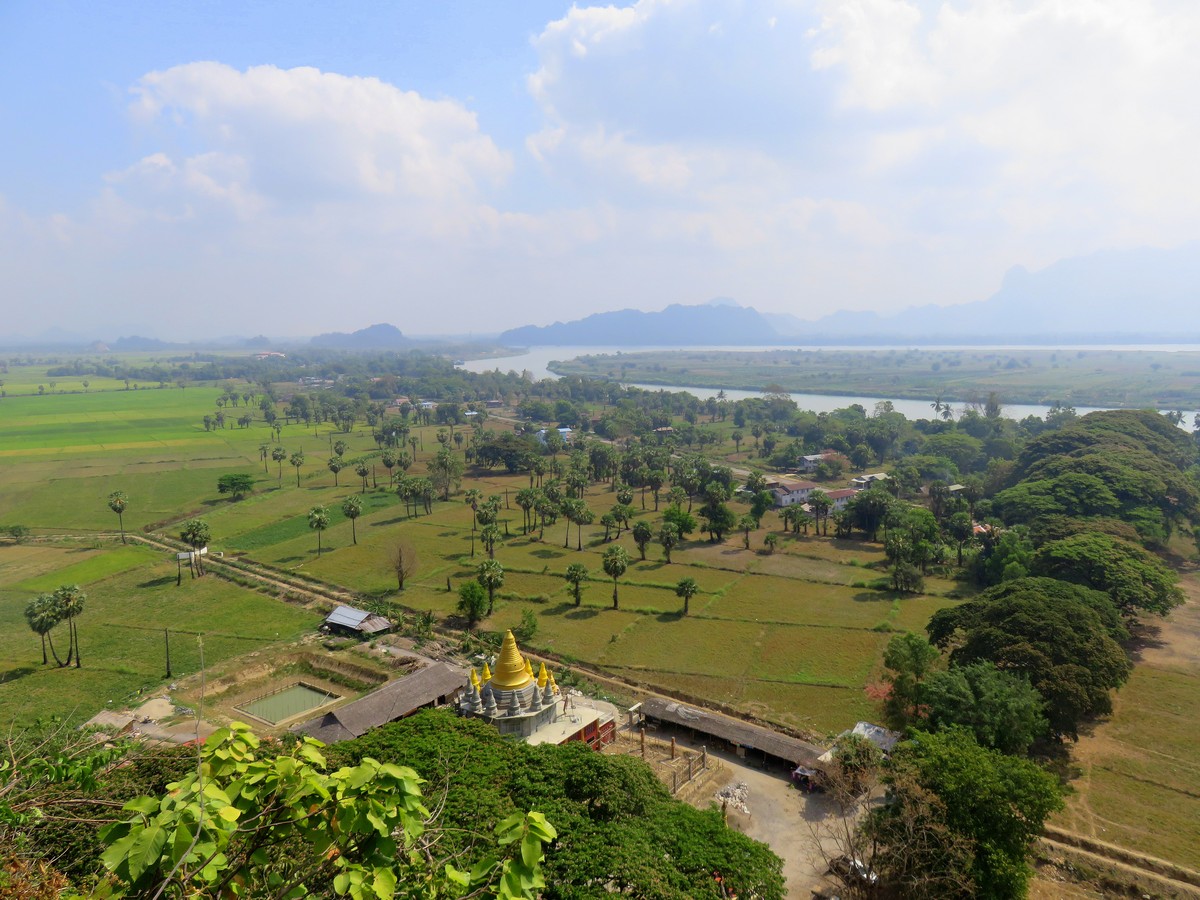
<point x="770" y="632"/>
<point x="1139" y="779"/>
<point x="131" y="598"/>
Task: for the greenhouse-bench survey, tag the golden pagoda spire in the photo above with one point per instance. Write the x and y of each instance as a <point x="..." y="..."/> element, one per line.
<point x="541" y="676"/>
<point x="528" y="668"/>
<point x="475" y="678"/>
<point x="487" y="673"/>
<point x="512" y="669"/>
<point x="553" y="683"/>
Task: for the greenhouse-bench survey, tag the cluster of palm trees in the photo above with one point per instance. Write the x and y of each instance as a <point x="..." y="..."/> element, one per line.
<point x="46" y="611"/>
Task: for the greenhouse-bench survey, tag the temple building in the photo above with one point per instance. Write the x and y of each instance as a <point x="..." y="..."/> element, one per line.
<point x="531" y="707"/>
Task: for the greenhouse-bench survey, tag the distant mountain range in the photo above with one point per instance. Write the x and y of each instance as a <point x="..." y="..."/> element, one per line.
<point x="373" y="337"/>
<point x="1143" y="295"/>
<point x="714" y="323"/>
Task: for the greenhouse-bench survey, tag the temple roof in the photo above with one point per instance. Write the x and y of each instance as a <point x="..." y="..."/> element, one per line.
<point x="512" y="671"/>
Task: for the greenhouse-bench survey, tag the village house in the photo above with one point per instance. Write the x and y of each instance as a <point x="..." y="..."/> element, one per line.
<point x="840" y="498"/>
<point x="809" y="463"/>
<point x="862" y="482"/>
<point x="790" y="490"/>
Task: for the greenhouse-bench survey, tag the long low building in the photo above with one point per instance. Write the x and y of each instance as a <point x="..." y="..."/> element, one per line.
<point x="739" y="734"/>
<point x="435" y="685"/>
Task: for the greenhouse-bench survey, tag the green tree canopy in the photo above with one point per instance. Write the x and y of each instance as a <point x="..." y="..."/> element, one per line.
<point x="982" y="811"/>
<point x="1134" y="579"/>
<point x="1000" y="708"/>
<point x="1061" y="636"/>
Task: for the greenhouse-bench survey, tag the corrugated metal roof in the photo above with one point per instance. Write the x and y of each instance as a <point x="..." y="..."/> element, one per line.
<point x="393" y="701"/>
<point x="347" y="617"/>
<point x="781" y="746"/>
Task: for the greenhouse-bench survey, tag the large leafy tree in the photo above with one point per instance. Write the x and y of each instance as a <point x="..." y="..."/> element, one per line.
<point x="117" y="501"/>
<point x="1062" y="637"/>
<point x="1134" y="579"/>
<point x="472" y="602"/>
<point x="237" y="485"/>
<point x="1001" y="709"/>
<point x="446" y="470"/>
<point x="980" y="812"/>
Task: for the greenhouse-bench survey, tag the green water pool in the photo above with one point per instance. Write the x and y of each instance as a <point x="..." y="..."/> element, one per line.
<point x="290" y="701"/>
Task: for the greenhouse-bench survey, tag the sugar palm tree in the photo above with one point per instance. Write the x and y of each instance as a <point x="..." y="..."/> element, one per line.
<point x="42" y="614"/>
<point x="686" y="589"/>
<point x="69" y="600"/>
<point x="616" y="561"/>
<point x="117" y="501"/>
<point x="195" y="533"/>
<point x="352" y="508"/>
<point x="279" y="455"/>
<point x="577" y="574"/>
<point x="335" y="465"/>
<point x="297" y="460"/>
<point x="490" y="575"/>
<point x="362" y="471"/>
<point x="318" y="519"/>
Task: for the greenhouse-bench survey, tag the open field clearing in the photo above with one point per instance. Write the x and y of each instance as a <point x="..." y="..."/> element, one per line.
<point x="131" y="598"/>
<point x="1139" y="775"/>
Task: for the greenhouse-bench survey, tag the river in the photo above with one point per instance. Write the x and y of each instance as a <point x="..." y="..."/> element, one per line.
<point x="537" y="360"/>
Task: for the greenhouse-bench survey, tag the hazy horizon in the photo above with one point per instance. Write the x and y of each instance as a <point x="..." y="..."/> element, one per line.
<point x="183" y="171"/>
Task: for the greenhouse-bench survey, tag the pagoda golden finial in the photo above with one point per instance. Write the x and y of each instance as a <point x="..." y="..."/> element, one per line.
<point x="487" y="673"/>
<point x="528" y="668"/>
<point x="553" y="683"/>
<point x="475" y="678"/>
<point x="512" y="669"/>
<point x="541" y="676"/>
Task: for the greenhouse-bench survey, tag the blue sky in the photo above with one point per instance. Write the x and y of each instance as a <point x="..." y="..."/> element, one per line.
<point x="291" y="168"/>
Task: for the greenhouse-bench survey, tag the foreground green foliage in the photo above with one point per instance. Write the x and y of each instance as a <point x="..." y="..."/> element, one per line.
<point x="620" y="830"/>
<point x="254" y="820"/>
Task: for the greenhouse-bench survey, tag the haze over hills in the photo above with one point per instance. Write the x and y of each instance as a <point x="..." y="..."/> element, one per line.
<point x="373" y="337"/>
<point x="722" y="322"/>
<point x="1113" y="296"/>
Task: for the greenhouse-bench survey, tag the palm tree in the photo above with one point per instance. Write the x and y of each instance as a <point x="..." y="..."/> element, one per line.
<point x="747" y="524"/>
<point x="527" y="499"/>
<point x="42" y="614"/>
<point x="195" y="533"/>
<point x="490" y="575"/>
<point x="413" y="442"/>
<point x="489" y="535"/>
<point x="279" y="455"/>
<point x="472" y="498"/>
<point x="264" y="451"/>
<point x="820" y="504"/>
<point x="297" y="460"/>
<point x="318" y="518"/>
<point x="335" y="465"/>
<point x="616" y="561"/>
<point x="686" y="589"/>
<point x="642" y="535"/>
<point x="117" y="501"/>
<point x="738" y="437"/>
<point x="668" y="536"/>
<point x="352" y="508"/>
<point x="69" y="600"/>
<point x="577" y="574"/>
<point x="340" y="448"/>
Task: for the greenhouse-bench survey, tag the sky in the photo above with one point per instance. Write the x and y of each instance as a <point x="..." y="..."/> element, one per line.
<point x="204" y="168"/>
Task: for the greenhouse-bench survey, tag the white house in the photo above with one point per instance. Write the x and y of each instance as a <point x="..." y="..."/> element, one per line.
<point x="809" y="463"/>
<point x="790" y="491"/>
<point x="840" y="498"/>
